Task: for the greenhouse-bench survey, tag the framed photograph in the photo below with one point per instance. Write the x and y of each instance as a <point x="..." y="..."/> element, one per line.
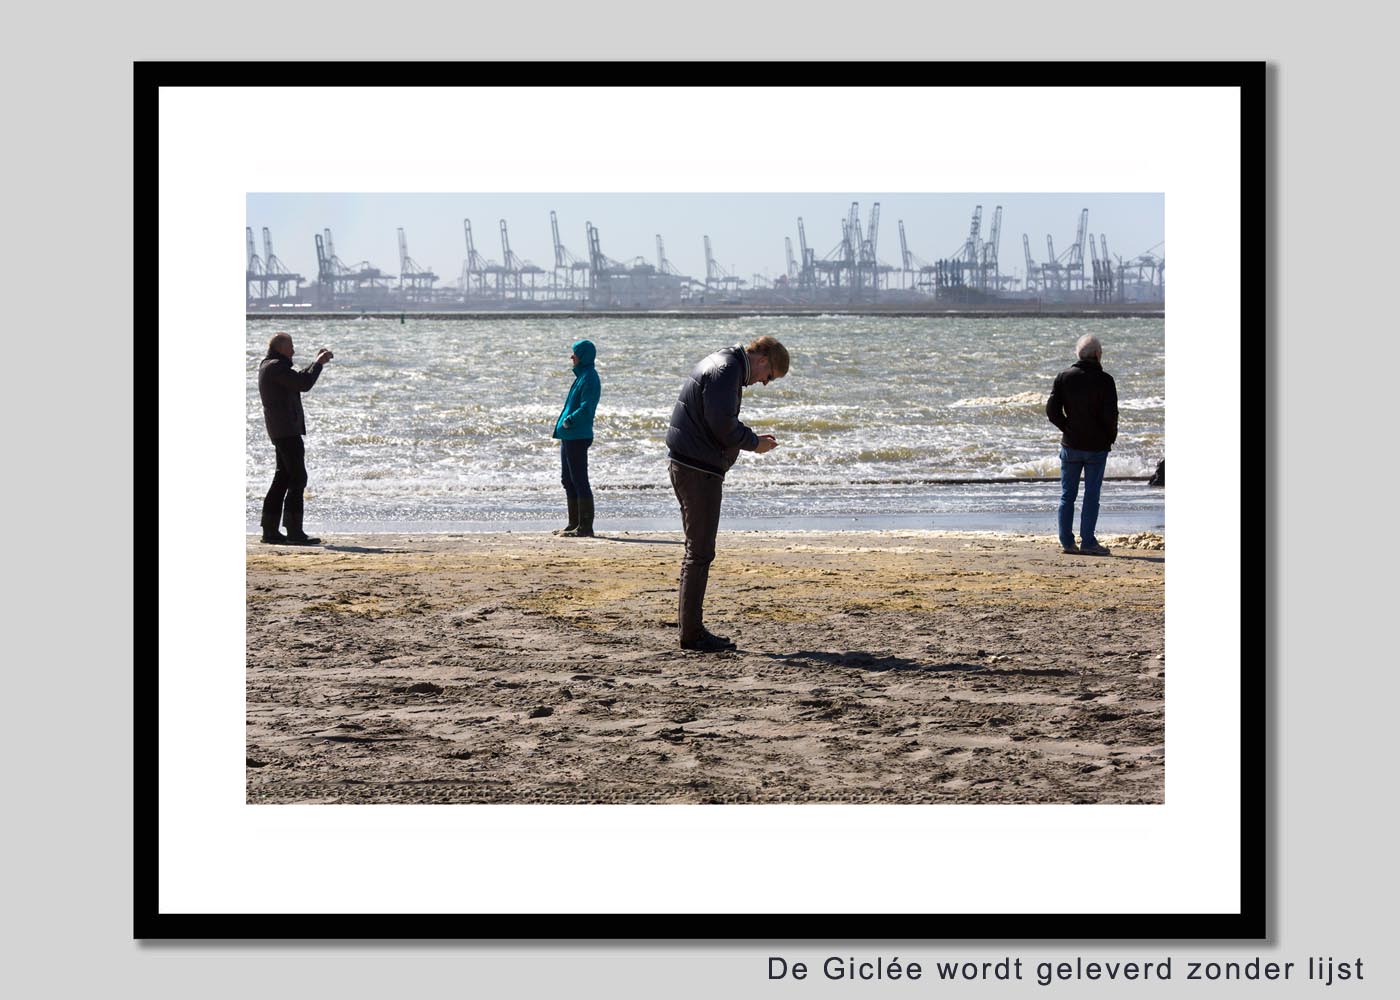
<point x="709" y="511"/>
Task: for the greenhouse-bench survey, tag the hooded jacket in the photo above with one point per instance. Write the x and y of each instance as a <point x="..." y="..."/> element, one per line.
<point x="575" y="421"/>
<point x="1084" y="406"/>
<point x="706" y="432"/>
<point x="280" y="386"/>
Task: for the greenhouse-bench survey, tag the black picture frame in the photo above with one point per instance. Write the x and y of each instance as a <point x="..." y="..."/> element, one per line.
<point x="149" y="922"/>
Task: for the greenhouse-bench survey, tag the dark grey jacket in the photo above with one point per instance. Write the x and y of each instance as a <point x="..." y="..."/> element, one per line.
<point x="280" y="386"/>
<point x="705" y="431"/>
<point x="1084" y="406"/>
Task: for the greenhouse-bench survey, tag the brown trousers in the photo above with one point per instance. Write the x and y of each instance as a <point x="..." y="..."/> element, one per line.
<point x="700" y="494"/>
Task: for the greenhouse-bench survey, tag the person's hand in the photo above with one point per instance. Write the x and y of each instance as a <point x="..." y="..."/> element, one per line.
<point x="567" y="424"/>
<point x="766" y="442"/>
<point x="323" y="356"/>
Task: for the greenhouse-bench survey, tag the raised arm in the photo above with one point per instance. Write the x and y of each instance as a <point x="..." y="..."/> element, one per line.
<point x="289" y="378"/>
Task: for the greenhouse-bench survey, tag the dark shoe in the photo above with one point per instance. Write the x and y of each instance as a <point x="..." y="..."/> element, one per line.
<point x="585" y="520"/>
<point x="573" y="519"/>
<point x="1094" y="549"/>
<point x="708" y="642"/>
<point x="275" y="538"/>
<point x="301" y="540"/>
<point x="1072" y="550"/>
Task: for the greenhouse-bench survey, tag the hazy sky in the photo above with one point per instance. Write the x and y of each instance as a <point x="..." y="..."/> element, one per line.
<point x="746" y="230"/>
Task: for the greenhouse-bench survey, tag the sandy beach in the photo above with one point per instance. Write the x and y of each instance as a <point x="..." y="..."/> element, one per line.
<point x="873" y="667"/>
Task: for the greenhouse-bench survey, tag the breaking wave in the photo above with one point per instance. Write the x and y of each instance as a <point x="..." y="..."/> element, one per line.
<point x="1019" y="399"/>
<point x="1150" y="403"/>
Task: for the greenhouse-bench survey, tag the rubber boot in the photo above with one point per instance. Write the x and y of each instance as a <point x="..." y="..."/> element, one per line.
<point x="573" y="518"/>
<point x="694" y="578"/>
<point x="585" y="520"/>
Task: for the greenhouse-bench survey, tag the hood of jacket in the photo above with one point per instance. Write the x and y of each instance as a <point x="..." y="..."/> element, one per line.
<point x="585" y="352"/>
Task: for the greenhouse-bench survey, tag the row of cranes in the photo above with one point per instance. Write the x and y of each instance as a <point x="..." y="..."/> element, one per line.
<point x="572" y="277"/>
<point x="335" y="279"/>
<point x="1137" y="279"/>
<point x="1112" y="279"/>
<point x="1065" y="273"/>
<point x="270" y="281"/>
<point x="850" y="272"/>
<point x="487" y="278"/>
<point x="513" y="278"/>
<point x="592" y="277"/>
<point x="851" y="265"/>
<point x="268" y="278"/>
<point x="972" y="272"/>
<point x="854" y="271"/>
<point x="974" y="269"/>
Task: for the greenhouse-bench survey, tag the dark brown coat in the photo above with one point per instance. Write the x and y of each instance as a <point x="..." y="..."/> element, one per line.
<point x="280" y="386"/>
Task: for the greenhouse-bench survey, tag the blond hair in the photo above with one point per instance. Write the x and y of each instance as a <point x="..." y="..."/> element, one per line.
<point x="775" y="352"/>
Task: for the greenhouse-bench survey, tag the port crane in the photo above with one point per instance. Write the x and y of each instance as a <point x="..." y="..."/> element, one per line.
<point x="717" y="277"/>
<point x="514" y="268"/>
<point x="257" y="283"/>
<point x="415" y="282"/>
<point x="565" y="263"/>
<point x="473" y="267"/>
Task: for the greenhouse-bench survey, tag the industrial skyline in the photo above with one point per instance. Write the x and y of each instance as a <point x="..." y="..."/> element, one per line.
<point x="430" y="248"/>
<point x="747" y="229"/>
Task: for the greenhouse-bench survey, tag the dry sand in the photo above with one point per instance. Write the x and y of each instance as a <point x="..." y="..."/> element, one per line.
<point x="872" y="667"/>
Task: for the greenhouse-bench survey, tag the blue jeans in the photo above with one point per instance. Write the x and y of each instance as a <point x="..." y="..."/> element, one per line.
<point x="1073" y="461"/>
<point x="573" y="469"/>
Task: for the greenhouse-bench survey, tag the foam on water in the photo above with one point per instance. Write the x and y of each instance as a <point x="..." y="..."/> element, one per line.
<point x="1151" y="403"/>
<point x="1019" y="399"/>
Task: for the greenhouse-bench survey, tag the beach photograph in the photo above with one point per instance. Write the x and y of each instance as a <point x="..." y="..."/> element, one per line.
<point x="660" y="529"/>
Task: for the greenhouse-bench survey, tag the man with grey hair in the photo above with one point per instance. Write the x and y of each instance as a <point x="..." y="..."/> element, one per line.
<point x="280" y="386"/>
<point x="1084" y="405"/>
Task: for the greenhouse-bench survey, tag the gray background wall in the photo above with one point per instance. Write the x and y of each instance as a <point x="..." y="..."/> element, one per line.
<point x="70" y="600"/>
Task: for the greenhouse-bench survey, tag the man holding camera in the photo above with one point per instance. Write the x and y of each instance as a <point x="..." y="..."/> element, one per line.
<point x="280" y="386"/>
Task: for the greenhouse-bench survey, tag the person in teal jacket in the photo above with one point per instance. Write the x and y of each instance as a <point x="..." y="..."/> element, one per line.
<point x="574" y="429"/>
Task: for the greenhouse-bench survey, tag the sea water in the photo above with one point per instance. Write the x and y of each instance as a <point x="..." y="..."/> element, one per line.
<point x="445" y="424"/>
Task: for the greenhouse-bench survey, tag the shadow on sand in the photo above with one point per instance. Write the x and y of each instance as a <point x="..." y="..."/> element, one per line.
<point x="872" y="662"/>
<point x="643" y="541"/>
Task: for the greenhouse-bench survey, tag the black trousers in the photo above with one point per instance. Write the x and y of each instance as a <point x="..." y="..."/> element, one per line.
<point x="573" y="469"/>
<point x="284" y="499"/>
<point x="700" y="495"/>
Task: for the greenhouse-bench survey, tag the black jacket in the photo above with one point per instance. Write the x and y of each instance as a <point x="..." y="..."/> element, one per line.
<point x="705" y="430"/>
<point x="1084" y="405"/>
<point x="280" y="386"/>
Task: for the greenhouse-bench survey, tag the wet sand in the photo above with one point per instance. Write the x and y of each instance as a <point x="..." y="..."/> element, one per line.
<point x="889" y="667"/>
